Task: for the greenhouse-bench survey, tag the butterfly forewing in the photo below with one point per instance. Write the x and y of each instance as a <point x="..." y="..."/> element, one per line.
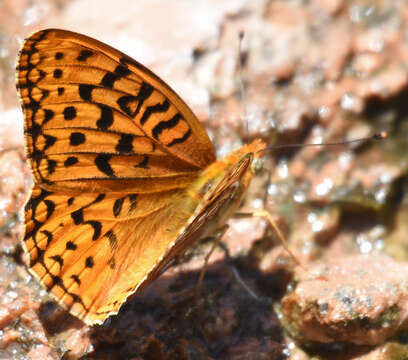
<point x="93" y="114"/>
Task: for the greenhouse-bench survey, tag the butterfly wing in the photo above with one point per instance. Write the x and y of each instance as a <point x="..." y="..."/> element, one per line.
<point x="97" y="120"/>
<point x="112" y="149"/>
<point x="93" y="251"/>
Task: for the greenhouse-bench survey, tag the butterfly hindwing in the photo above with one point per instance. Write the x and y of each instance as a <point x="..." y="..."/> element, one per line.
<point x="77" y="243"/>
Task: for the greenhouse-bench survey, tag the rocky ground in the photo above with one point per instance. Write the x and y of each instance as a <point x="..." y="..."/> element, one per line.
<point x="319" y="70"/>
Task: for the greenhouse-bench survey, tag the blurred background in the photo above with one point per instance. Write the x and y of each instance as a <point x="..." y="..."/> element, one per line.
<point x="313" y="71"/>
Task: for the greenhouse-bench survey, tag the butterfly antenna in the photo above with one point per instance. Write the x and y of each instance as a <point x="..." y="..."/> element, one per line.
<point x="377" y="136"/>
<point x="240" y="82"/>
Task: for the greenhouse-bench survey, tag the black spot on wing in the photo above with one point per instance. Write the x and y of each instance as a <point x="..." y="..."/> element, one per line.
<point x="122" y="71"/>
<point x="50" y="205"/>
<point x="78" y="216"/>
<point x="144" y="93"/>
<point x="143" y="163"/>
<point x="106" y="118"/>
<point x="124" y="102"/>
<point x="70" y="245"/>
<point x="76" y="279"/>
<point x="35" y="130"/>
<point x="48" y="115"/>
<point x="85" y="91"/>
<point x="165" y="125"/>
<point x="157" y="108"/>
<point x="34" y="201"/>
<point x="49" y="141"/>
<point x="133" y="203"/>
<point x="124" y="144"/>
<point x="181" y="139"/>
<point x="36" y="155"/>
<point x="84" y="55"/>
<point x="48" y="235"/>
<point x="69" y="113"/>
<point x="58" y="259"/>
<point x="51" y="165"/>
<point x="113" y="240"/>
<point x="102" y="163"/>
<point x="89" y="262"/>
<point x="56" y="281"/>
<point x="40" y="257"/>
<point x="97" y="228"/>
<point x="77" y="299"/>
<point x="57" y="73"/>
<point x="110" y="77"/>
<point x="71" y="160"/>
<point x="76" y="138"/>
<point x="117" y="206"/>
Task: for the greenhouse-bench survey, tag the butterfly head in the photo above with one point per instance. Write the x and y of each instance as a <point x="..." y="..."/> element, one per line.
<point x="255" y="150"/>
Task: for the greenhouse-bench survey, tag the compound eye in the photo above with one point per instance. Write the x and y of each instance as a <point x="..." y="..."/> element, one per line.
<point x="257" y="165"/>
<point x="207" y="187"/>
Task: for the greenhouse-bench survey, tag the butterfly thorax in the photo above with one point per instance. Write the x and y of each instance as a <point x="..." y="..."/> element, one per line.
<point x="221" y="187"/>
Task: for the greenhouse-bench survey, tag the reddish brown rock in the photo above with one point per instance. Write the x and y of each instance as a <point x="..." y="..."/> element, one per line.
<point x="359" y="299"/>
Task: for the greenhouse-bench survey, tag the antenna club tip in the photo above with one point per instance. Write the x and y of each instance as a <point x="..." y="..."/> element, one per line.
<point x="380" y="136"/>
<point x="241" y="34"/>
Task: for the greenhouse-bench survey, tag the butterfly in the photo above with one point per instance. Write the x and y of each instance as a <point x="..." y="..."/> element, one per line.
<point x="125" y="176"/>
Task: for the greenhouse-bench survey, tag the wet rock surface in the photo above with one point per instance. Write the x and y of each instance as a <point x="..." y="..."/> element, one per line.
<point x="313" y="71"/>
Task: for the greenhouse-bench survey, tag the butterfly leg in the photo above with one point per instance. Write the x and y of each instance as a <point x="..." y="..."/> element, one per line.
<point x="218" y="237"/>
<point x="238" y="278"/>
<point x="267" y="216"/>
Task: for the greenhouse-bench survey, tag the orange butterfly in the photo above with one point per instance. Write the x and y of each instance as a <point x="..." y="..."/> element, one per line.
<point x="125" y="176"/>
